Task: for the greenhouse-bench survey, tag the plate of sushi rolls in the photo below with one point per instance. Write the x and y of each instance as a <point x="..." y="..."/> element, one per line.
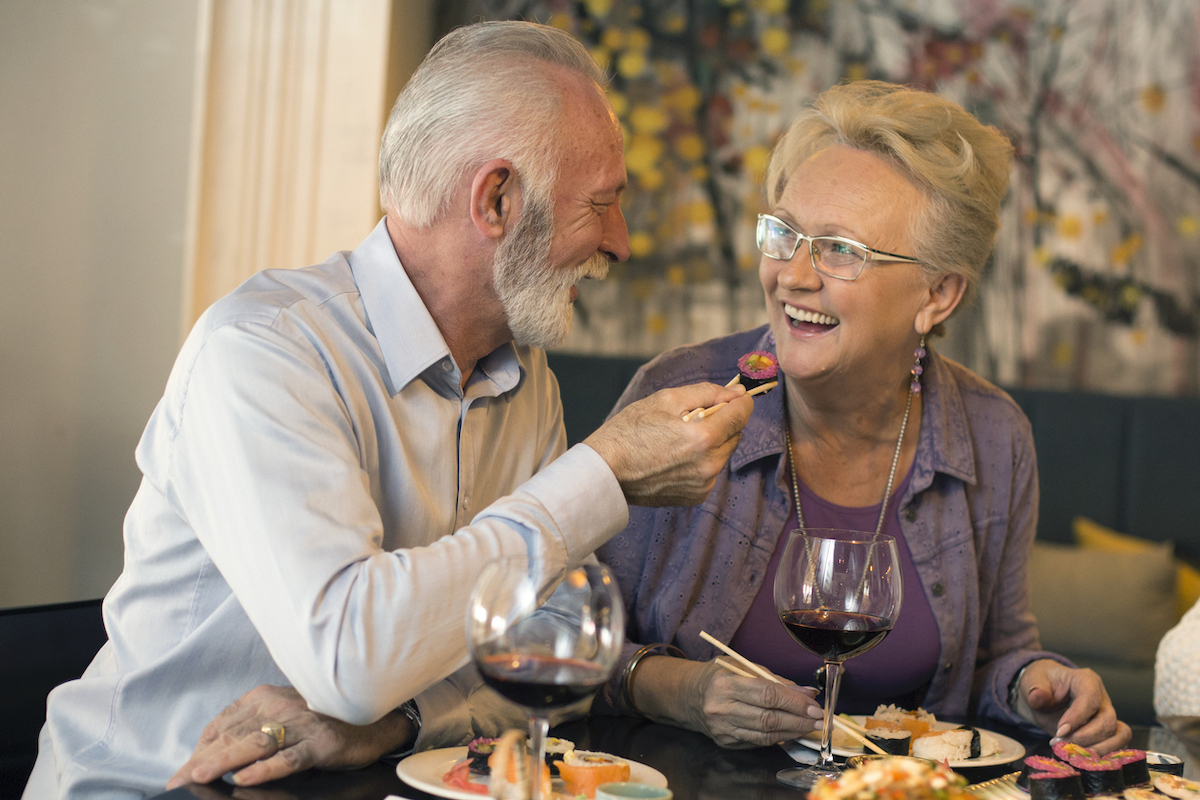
<point x="918" y="733"/>
<point x="465" y="773"/>
<point x="1075" y="772"/>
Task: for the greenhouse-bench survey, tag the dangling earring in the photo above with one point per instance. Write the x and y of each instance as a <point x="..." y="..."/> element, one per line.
<point x="917" y="369"/>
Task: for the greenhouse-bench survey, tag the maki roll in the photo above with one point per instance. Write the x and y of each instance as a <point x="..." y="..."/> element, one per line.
<point x="556" y="750"/>
<point x="956" y="744"/>
<point x="893" y="741"/>
<point x="1133" y="766"/>
<point x="1063" y="783"/>
<point x="582" y="771"/>
<point x="1034" y="764"/>
<point x="479" y="751"/>
<point x="756" y="368"/>
<point x="1100" y="774"/>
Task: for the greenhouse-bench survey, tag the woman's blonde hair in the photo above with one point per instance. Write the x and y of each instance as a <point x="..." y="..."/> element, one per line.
<point x="959" y="165"/>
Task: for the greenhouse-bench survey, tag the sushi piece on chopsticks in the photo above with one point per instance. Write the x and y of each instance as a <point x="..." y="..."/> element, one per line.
<point x="758" y="371"/>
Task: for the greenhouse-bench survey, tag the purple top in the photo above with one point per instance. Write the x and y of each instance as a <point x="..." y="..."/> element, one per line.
<point x="898" y="669"/>
<point x="968" y="514"/>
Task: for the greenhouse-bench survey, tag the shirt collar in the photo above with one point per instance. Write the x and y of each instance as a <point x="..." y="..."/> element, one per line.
<point x="945" y="444"/>
<point x="408" y="337"/>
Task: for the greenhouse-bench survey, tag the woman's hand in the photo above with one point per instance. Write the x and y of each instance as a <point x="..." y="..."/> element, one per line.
<point x="235" y="739"/>
<point x="1071" y="704"/>
<point x="733" y="711"/>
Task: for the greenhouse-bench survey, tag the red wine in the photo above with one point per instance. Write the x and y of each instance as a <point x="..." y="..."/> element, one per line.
<point x="835" y="635"/>
<point x="541" y="681"/>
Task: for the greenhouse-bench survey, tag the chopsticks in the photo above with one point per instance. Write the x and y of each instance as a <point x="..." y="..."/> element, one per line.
<point x="848" y="727"/>
<point x="701" y="413"/>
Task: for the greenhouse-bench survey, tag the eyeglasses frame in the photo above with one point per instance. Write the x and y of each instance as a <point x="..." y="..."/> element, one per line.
<point x="872" y="253"/>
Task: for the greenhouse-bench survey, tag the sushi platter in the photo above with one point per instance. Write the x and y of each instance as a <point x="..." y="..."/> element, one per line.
<point x="425" y="771"/>
<point x="1078" y="773"/>
<point x="1006" y="750"/>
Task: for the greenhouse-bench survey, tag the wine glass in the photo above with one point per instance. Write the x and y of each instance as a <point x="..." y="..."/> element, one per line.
<point x="543" y="656"/>
<point x="838" y="594"/>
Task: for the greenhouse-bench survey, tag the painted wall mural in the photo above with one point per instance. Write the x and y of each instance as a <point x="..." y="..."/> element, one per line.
<point x="1095" y="283"/>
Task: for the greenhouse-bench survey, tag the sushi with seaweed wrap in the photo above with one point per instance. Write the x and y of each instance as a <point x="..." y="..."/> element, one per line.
<point x="1034" y="764"/>
<point x="1134" y="770"/>
<point x="1100" y="774"/>
<point x="893" y="741"/>
<point x="756" y="368"/>
<point x="1062" y="783"/>
<point x="479" y="751"/>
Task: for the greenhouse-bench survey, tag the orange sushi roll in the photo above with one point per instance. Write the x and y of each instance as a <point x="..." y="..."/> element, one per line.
<point x="582" y="771"/>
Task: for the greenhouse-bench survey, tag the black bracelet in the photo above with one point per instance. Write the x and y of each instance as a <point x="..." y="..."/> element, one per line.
<point x="630" y="668"/>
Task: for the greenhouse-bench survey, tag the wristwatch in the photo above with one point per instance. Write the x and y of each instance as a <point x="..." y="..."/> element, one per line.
<point x="413" y="714"/>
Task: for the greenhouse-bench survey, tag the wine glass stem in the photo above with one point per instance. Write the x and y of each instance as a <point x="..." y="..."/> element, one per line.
<point x="833" y="680"/>
<point x="538" y="728"/>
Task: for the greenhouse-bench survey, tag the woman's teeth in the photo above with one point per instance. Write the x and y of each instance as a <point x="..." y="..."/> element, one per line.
<point x="800" y="315"/>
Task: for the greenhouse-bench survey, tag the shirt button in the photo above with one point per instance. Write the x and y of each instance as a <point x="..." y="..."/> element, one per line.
<point x="910" y="514"/>
<point x="938" y="589"/>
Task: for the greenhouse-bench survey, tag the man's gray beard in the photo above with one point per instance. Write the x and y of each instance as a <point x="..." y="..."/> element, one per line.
<point x="535" y="296"/>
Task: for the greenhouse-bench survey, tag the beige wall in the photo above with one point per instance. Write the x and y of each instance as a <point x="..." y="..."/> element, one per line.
<point x="104" y="173"/>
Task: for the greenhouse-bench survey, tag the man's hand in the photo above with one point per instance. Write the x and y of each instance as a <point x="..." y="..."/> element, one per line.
<point x="235" y="739"/>
<point x="659" y="459"/>
<point x="1071" y="704"/>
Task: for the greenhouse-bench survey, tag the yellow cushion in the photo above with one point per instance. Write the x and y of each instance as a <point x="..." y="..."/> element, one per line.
<point x="1094" y="536"/>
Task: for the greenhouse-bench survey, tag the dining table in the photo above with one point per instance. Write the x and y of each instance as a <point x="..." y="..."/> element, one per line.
<point x="694" y="766"/>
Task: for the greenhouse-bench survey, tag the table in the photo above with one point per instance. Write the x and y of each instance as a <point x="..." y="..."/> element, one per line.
<point x="696" y="769"/>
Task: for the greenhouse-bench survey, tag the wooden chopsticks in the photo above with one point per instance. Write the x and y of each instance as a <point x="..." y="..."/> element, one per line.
<point x="849" y="727"/>
<point x="701" y="413"/>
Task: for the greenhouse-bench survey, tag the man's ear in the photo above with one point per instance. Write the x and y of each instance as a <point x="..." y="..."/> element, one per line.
<point x="944" y="296"/>
<point x="495" y="197"/>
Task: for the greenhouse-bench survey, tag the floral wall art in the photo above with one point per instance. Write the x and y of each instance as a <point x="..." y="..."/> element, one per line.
<point x="1095" y="280"/>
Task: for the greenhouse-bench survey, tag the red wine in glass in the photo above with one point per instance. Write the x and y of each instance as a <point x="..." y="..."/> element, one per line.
<point x="545" y="682"/>
<point x="838" y="594"/>
<point x="544" y="655"/>
<point x="835" y="635"/>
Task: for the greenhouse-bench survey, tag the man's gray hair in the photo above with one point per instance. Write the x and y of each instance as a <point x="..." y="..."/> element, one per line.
<point x="488" y="90"/>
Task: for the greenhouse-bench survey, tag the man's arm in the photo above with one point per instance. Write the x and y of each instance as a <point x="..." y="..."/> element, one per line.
<point x="266" y="465"/>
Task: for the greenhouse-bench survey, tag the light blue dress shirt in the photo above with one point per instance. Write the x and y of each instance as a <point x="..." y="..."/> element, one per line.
<point x="318" y="497"/>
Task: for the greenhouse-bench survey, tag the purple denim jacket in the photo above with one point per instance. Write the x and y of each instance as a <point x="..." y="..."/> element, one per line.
<point x="969" y="515"/>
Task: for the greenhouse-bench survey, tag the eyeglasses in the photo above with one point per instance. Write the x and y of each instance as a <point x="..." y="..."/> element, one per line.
<point x="834" y="256"/>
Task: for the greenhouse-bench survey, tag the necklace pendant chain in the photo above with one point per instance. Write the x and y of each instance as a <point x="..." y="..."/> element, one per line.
<point x="887" y="492"/>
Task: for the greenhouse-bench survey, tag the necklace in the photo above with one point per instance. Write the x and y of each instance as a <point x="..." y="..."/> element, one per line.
<point x="913" y="389"/>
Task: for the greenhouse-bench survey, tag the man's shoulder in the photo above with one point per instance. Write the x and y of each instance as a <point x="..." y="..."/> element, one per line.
<point x="713" y="361"/>
<point x="266" y="296"/>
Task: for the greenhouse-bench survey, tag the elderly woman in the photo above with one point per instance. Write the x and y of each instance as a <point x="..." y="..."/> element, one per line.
<point x="884" y="206"/>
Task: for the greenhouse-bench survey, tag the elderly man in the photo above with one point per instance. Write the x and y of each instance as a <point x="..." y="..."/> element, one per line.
<point x="341" y="449"/>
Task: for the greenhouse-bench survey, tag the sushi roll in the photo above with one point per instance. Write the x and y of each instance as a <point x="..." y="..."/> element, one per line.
<point x="1063" y="783"/>
<point x="890" y="716"/>
<point x="893" y="741"/>
<point x="1100" y="774"/>
<point x="1133" y="766"/>
<point x="479" y="751"/>
<point x="582" y="771"/>
<point x="556" y="750"/>
<point x="1034" y="764"/>
<point x="756" y="368"/>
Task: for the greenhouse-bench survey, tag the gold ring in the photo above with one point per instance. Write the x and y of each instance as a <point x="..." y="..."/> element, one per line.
<point x="275" y="731"/>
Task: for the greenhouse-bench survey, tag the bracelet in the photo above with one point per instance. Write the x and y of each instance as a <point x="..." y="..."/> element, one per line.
<point x="631" y="668"/>
<point x="1014" y="690"/>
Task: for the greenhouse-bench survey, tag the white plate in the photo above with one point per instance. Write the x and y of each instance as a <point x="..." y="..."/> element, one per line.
<point x="1010" y="749"/>
<point x="424" y="771"/>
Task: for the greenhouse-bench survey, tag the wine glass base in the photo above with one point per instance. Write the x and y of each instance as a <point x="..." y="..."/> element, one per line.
<point x="807" y="777"/>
